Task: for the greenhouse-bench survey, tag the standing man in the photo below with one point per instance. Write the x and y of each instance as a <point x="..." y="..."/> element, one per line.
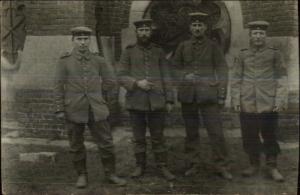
<point x="259" y="92"/>
<point x="145" y="75"/>
<point x="201" y="72"/>
<point x="81" y="77"/>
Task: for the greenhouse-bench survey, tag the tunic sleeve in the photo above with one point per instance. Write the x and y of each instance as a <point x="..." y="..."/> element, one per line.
<point x="281" y="99"/>
<point x="166" y="78"/>
<point x="178" y="65"/>
<point x="124" y="73"/>
<point x="60" y="77"/>
<point x="236" y="80"/>
<point x="221" y="71"/>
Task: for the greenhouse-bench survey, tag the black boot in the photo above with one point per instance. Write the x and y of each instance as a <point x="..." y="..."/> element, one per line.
<point x="109" y="172"/>
<point x="161" y="161"/>
<point x="254" y="166"/>
<point x="271" y="162"/>
<point x="80" y="167"/>
<point x="140" y="165"/>
<point x="82" y="181"/>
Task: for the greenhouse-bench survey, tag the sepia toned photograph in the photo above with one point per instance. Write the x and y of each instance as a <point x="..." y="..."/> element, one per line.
<point x="137" y="97"/>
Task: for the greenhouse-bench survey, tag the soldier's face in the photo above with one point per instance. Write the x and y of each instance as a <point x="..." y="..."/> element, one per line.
<point x="198" y="29"/>
<point x="258" y="37"/>
<point x="143" y="34"/>
<point x="82" y="42"/>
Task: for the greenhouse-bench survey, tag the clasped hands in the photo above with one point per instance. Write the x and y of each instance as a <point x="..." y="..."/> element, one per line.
<point x="147" y="85"/>
<point x="144" y="84"/>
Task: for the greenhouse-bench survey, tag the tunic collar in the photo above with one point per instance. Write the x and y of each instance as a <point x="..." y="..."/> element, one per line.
<point x="197" y="41"/>
<point x="258" y="50"/>
<point x="82" y="56"/>
<point x="142" y="47"/>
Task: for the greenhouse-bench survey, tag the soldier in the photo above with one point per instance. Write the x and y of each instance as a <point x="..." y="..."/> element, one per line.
<point x="145" y="75"/>
<point x="201" y="72"/>
<point x="81" y="77"/>
<point x="259" y="92"/>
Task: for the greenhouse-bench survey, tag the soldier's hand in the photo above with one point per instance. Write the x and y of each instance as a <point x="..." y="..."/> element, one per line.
<point x="278" y="109"/>
<point x="60" y="115"/>
<point x="169" y="107"/>
<point x="237" y="108"/>
<point x="144" y="84"/>
<point x="190" y="77"/>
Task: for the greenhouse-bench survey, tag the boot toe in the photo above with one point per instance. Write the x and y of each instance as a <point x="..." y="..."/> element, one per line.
<point x="81" y="181"/>
<point x="138" y="172"/>
<point x="276" y="175"/>
<point x="117" y="180"/>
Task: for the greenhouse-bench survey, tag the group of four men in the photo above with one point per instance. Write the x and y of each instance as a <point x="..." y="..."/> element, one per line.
<point x="199" y="71"/>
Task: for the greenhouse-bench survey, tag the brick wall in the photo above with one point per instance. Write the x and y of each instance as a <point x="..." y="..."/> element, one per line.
<point x="112" y="17"/>
<point x="55" y="17"/>
<point x="282" y="14"/>
<point x="35" y="110"/>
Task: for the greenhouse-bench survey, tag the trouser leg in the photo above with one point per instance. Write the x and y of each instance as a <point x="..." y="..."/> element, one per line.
<point x="191" y="121"/>
<point x="100" y="130"/>
<point x="77" y="148"/>
<point x="138" y="121"/>
<point x="250" y="127"/>
<point x="213" y="123"/>
<point x="269" y="125"/>
<point x="156" y="122"/>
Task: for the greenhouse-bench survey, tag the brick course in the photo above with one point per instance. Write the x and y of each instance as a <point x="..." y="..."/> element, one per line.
<point x="282" y="14"/>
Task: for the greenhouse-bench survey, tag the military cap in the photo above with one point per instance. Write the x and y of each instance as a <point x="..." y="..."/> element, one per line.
<point x="198" y="16"/>
<point x="143" y="23"/>
<point x="258" y="25"/>
<point x="81" y="30"/>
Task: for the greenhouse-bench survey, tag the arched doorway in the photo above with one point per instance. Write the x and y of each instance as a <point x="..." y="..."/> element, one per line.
<point x="171" y="21"/>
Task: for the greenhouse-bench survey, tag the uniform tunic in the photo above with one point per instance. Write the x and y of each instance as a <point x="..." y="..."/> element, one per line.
<point x="80" y="80"/>
<point x="259" y="80"/>
<point x="206" y="60"/>
<point x="138" y="63"/>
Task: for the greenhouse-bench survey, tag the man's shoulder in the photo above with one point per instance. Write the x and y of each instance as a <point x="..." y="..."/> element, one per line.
<point x="65" y="54"/>
<point x="96" y="55"/>
<point x="157" y="47"/>
<point x="273" y="48"/>
<point x="244" y="52"/>
<point x="130" y="46"/>
<point x="185" y="43"/>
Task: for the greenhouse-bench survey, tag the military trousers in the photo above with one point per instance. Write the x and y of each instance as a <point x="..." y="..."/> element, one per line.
<point x="100" y="131"/>
<point x="255" y="124"/>
<point x="155" y="121"/>
<point x="210" y="112"/>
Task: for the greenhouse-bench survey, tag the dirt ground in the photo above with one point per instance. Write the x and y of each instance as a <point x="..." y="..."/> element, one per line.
<point x="58" y="178"/>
